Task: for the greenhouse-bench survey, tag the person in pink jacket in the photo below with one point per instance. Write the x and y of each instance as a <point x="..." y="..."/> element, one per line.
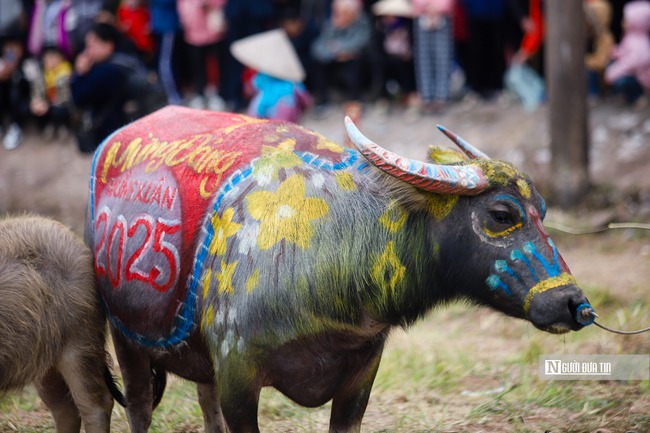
<point x="48" y="27"/>
<point x="204" y="28"/>
<point x="630" y="70"/>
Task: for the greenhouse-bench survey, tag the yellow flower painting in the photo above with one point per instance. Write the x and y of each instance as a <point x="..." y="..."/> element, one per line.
<point x="275" y="158"/>
<point x="225" y="277"/>
<point x="286" y="214"/>
<point x="223" y="228"/>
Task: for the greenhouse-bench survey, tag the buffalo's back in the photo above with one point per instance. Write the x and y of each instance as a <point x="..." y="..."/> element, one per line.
<point x="154" y="184"/>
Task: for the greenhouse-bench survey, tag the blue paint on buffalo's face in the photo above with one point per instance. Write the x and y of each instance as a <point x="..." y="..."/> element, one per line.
<point x="532" y="259"/>
<point x="524" y="274"/>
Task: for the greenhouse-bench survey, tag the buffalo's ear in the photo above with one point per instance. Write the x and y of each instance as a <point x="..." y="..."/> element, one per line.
<point x="441" y="155"/>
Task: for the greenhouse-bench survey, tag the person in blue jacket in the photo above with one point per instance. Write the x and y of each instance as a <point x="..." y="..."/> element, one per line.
<point x="165" y="26"/>
<point x="94" y="87"/>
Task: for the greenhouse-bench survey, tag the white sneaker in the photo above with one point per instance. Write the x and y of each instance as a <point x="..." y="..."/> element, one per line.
<point x="196" y="102"/>
<point x="215" y="103"/>
<point x="13" y="137"/>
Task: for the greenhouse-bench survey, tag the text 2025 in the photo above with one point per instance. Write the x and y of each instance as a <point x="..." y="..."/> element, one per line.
<point x="152" y="257"/>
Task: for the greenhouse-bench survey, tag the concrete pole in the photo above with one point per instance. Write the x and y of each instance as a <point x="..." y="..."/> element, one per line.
<point x="567" y="106"/>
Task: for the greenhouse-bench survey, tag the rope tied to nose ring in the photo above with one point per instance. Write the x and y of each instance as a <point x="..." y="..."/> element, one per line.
<point x="585" y="314"/>
<point x="638" y="331"/>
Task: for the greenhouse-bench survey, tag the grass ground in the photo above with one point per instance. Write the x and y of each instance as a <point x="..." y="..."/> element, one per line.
<point x="465" y="369"/>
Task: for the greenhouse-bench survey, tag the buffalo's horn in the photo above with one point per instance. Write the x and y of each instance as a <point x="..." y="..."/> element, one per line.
<point x="442" y="179"/>
<point x="469" y="150"/>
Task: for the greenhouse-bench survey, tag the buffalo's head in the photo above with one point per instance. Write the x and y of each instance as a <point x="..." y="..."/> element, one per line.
<point x="495" y="251"/>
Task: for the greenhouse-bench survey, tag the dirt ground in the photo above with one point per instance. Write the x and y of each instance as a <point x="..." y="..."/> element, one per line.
<point x="51" y="178"/>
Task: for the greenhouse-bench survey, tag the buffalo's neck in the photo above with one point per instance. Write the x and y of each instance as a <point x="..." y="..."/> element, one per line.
<point x="377" y="258"/>
<point x="401" y="274"/>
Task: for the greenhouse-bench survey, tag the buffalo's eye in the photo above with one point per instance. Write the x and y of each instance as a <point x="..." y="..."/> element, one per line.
<point x="501" y="220"/>
<point x="503" y="217"/>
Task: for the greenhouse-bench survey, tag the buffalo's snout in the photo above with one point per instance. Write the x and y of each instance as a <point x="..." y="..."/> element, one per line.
<point x="558" y="310"/>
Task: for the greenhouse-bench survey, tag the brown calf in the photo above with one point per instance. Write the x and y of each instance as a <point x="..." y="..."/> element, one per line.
<point x="52" y="327"/>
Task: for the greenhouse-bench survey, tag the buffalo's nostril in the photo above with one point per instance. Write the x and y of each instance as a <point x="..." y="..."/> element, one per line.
<point x="585" y="314"/>
<point x="582" y="312"/>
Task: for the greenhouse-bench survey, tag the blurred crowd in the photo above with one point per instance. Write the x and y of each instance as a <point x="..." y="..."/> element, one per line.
<point x="87" y="67"/>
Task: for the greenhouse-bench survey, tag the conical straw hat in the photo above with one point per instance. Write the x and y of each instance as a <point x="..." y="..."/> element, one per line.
<point x="398" y="8"/>
<point x="271" y="53"/>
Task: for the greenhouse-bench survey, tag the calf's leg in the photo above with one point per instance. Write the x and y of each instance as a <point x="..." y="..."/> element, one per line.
<point x="55" y="394"/>
<point x="84" y="375"/>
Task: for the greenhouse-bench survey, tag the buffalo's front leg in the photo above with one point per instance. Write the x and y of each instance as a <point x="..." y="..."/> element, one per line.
<point x="239" y="390"/>
<point x="349" y="404"/>
<point x="211" y="407"/>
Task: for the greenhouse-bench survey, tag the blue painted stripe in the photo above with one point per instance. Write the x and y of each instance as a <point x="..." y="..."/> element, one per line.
<point x="518" y="255"/>
<point x="556" y="259"/>
<point x="319" y="162"/>
<point x="187" y="314"/>
<point x="496" y="283"/>
<point x="503" y="286"/>
<point x="551" y="270"/>
<point x="502" y="266"/>
<point x="516" y="202"/>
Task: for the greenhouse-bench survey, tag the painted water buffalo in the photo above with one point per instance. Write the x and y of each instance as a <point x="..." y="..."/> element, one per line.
<point x="52" y="326"/>
<point x="241" y="253"/>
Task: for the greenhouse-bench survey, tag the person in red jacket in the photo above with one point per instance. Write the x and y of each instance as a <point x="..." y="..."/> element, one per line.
<point x="533" y="27"/>
<point x="134" y="20"/>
